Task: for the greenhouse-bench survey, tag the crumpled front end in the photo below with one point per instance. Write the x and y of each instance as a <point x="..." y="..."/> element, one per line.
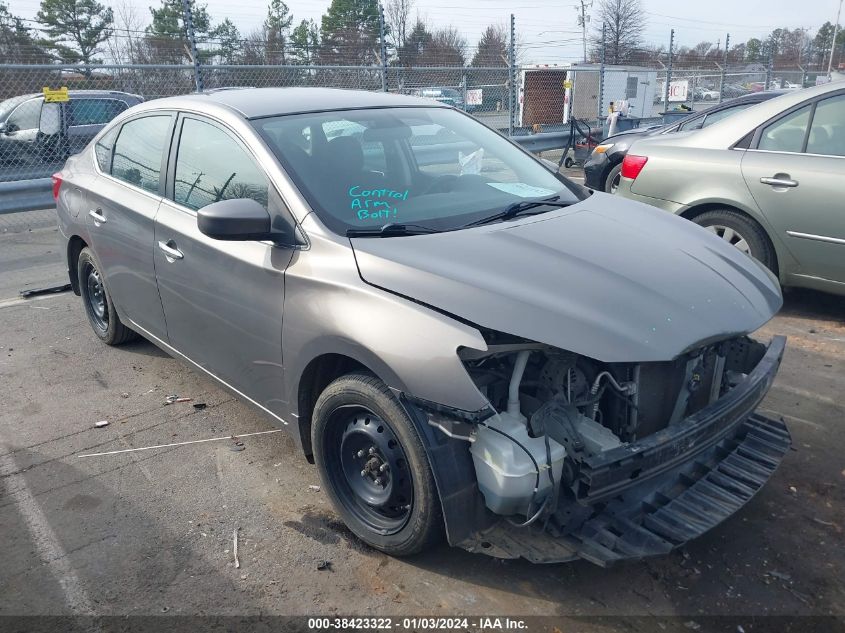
<point x="614" y="461"/>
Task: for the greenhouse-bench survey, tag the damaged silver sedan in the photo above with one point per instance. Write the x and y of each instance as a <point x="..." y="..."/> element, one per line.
<point x="464" y="342"/>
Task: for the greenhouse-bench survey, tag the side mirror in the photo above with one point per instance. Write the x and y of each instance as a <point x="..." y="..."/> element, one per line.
<point x="238" y="219"/>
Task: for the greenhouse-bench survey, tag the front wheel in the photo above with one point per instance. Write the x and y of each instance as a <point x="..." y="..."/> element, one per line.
<point x="374" y="466"/>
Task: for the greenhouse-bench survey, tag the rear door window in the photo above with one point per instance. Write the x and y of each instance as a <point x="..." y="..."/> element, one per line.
<point x="139" y="149"/>
<point x="103" y="148"/>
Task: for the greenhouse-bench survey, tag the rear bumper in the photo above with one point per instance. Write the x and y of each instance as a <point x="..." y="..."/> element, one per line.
<point x="652" y="496"/>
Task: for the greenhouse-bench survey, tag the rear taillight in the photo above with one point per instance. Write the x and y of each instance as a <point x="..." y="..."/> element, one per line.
<point x="633" y="165"/>
<point x="57" y="184"/>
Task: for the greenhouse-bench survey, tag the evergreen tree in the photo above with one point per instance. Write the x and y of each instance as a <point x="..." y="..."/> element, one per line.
<point x="17" y="44"/>
<point x="277" y="26"/>
<point x="492" y="48"/>
<point x="77" y="28"/>
<point x="350" y="32"/>
<point x="304" y="42"/>
<point x="168" y="37"/>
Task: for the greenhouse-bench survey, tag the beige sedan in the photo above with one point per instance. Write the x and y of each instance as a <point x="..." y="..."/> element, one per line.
<point x="769" y="180"/>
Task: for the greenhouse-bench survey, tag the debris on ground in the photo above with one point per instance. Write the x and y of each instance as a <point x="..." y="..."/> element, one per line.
<point x="793" y="490"/>
<point x="314" y="488"/>
<point x="34" y="292"/>
<point x="235" y="548"/>
<point x="779" y="575"/>
<point x="125" y="394"/>
<point x="237" y="446"/>
<point x="825" y="523"/>
<point x="173" y="398"/>
<point x="324" y="564"/>
<point x="101" y="424"/>
<point x="692" y="624"/>
<point x="199" y="406"/>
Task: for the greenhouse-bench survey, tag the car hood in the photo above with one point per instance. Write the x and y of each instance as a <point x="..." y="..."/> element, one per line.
<point x="607" y="278"/>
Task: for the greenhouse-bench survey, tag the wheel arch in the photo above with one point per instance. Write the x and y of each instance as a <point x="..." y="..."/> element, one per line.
<point x="74" y="248"/>
<point x="698" y="209"/>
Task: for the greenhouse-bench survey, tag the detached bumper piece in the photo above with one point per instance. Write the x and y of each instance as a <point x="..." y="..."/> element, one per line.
<point x="654" y="518"/>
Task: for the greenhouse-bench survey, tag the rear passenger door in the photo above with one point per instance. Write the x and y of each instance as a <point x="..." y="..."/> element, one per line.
<point x="123" y="203"/>
<point x="223" y="300"/>
<point x="794" y="170"/>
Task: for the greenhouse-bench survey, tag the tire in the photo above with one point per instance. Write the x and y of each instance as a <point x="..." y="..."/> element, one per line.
<point x="568" y="162"/>
<point x="98" y="305"/>
<point x="741" y="231"/>
<point x="395" y="509"/>
<point x="613" y="177"/>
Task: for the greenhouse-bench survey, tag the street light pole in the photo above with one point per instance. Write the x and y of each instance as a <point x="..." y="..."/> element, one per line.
<point x="833" y="43"/>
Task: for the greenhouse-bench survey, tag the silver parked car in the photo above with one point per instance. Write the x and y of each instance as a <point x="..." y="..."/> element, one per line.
<point x="768" y="180"/>
<point x="461" y="339"/>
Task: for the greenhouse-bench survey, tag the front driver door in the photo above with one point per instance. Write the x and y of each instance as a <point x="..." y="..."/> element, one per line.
<point x="223" y="300"/>
<point x="795" y="174"/>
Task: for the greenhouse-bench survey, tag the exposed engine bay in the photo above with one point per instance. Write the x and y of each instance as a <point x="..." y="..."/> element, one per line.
<point x="555" y="451"/>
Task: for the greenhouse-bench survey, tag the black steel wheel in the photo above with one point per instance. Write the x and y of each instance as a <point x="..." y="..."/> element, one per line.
<point x="374" y="466"/>
<point x="98" y="305"/>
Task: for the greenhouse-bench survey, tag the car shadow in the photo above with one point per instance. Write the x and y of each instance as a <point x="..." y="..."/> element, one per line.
<point x="809" y="304"/>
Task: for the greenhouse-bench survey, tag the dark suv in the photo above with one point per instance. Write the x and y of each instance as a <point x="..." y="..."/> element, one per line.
<point x="33" y="132"/>
<point x="602" y="168"/>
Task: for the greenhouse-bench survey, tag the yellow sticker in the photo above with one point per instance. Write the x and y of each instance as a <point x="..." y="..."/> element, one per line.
<point x="567" y="84"/>
<point x="56" y="96"/>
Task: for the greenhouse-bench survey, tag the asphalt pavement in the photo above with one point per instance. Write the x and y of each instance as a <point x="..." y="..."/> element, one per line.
<point x="151" y="532"/>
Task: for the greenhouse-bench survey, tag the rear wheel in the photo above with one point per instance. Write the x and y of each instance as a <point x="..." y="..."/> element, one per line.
<point x="611" y="183"/>
<point x="98" y="306"/>
<point x="374" y="466"/>
<point x="741" y="232"/>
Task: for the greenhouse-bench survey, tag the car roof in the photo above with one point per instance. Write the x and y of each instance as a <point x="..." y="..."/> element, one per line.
<point x="728" y="131"/>
<point x="255" y="103"/>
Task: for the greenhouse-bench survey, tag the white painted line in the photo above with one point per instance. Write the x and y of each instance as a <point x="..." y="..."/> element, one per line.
<point x="8" y="303"/>
<point x="44" y="539"/>
<point x="211" y="439"/>
<point x="793" y="418"/>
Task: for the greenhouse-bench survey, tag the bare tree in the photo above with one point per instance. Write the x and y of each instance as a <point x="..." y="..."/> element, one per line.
<point x="624" y="22"/>
<point x="398" y="14"/>
<point x="126" y="43"/>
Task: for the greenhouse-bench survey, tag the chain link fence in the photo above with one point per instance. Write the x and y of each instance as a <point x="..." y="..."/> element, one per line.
<point x="543" y="107"/>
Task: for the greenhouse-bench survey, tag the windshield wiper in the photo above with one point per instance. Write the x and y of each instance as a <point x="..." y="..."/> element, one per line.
<point x="513" y="210"/>
<point x="390" y="229"/>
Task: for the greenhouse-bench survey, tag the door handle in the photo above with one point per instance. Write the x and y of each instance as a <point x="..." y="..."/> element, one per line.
<point x="98" y="216"/>
<point x="779" y="182"/>
<point x="172" y="253"/>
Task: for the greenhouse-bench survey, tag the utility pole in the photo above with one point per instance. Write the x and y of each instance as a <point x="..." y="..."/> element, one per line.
<point x="583" y="20"/>
<point x="601" y="73"/>
<point x="833" y="43"/>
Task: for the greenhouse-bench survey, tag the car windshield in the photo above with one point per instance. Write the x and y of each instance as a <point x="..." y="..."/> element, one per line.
<point x="435" y="168"/>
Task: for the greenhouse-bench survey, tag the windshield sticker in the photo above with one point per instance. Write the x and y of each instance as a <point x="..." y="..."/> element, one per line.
<point x="521" y="189"/>
<point x="375" y="204"/>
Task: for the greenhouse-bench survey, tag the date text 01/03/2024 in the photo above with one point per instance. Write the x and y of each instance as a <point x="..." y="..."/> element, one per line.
<point x="461" y="623"/>
<point x="375" y="203"/>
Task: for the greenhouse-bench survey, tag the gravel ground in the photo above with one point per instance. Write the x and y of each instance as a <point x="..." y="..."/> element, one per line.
<point x="151" y="532"/>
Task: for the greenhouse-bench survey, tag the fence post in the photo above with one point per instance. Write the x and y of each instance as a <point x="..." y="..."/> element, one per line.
<point x="192" y="39"/>
<point x="600" y="107"/>
<point x="724" y="68"/>
<point x="383" y="46"/>
<point x="769" y="67"/>
<point x="803" y="76"/>
<point x="512" y="72"/>
<point x="668" y="71"/>
<point x="464" y="87"/>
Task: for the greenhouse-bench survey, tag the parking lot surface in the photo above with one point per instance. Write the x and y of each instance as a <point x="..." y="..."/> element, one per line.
<point x="151" y="532"/>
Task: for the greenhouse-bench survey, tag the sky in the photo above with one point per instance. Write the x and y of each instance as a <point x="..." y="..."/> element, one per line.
<point x="548" y="30"/>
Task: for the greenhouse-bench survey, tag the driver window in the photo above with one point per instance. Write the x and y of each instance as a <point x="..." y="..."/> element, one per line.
<point x="212" y="166"/>
<point x="26" y="116"/>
